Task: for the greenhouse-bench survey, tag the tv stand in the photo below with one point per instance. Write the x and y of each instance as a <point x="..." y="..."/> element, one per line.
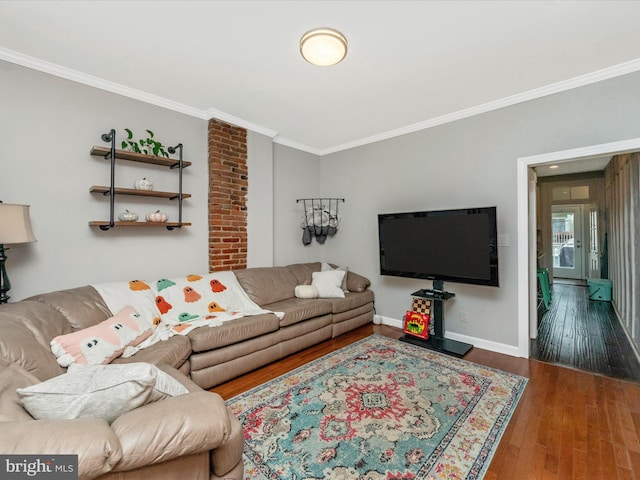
<point x="437" y="341"/>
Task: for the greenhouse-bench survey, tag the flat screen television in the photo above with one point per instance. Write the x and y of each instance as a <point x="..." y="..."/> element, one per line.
<point x="444" y="245"/>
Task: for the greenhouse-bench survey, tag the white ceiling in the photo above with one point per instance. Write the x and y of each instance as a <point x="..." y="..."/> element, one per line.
<point x="576" y="166"/>
<point x="410" y="65"/>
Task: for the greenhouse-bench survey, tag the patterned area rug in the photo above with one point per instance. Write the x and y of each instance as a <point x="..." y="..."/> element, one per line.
<point x="377" y="409"/>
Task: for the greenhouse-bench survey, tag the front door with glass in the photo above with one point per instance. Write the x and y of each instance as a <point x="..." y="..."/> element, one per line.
<point x="566" y="232"/>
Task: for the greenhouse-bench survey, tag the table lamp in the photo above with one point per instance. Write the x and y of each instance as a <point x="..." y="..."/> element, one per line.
<point x="15" y="228"/>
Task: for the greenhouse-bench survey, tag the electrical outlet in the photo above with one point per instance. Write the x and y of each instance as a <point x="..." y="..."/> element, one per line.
<point x="463" y="317"/>
<point x="503" y="240"/>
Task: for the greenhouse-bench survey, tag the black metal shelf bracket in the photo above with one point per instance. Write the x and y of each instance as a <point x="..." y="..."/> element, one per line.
<point x="111" y="137"/>
<point x="180" y="167"/>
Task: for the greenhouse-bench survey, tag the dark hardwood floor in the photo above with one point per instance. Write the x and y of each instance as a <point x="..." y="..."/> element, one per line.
<point x="568" y="424"/>
<point x="584" y="334"/>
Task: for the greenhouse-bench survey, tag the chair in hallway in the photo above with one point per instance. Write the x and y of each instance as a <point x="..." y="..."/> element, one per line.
<point x="544" y="288"/>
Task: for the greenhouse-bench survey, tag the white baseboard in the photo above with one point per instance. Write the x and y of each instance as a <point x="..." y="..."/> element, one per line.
<point x="476" y="342"/>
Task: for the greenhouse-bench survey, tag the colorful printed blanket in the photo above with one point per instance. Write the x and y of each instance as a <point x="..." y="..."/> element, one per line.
<point x="178" y="305"/>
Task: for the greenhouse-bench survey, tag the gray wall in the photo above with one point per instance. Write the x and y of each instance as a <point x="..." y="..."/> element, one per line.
<point x="296" y="175"/>
<point x="467" y="163"/>
<point x="260" y="201"/>
<point x="48" y="127"/>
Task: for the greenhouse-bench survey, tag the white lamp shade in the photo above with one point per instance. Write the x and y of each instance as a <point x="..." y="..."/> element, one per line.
<point x="323" y="46"/>
<point x="15" y="225"/>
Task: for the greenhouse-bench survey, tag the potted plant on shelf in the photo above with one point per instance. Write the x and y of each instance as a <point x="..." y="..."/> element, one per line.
<point x="147" y="146"/>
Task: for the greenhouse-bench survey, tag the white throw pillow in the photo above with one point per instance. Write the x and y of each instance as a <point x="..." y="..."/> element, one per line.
<point x="328" y="283"/>
<point x="325" y="267"/>
<point x="102" y="391"/>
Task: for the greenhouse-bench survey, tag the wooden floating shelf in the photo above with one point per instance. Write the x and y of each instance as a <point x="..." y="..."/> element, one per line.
<point x="100" y="223"/>
<point x="138" y="157"/>
<point x="141" y="193"/>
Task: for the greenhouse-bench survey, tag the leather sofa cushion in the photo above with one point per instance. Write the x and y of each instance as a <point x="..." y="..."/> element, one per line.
<point x="26" y="329"/>
<point x="12" y="376"/>
<point x="234" y="331"/>
<point x="300" y="329"/>
<point x="350" y="301"/>
<point x="353" y="313"/>
<point x="174" y="351"/>
<point x="298" y="309"/>
<point x="82" y="307"/>
<point x="357" y="283"/>
<point x="240" y="351"/>
<point x="303" y="271"/>
<point x="267" y="285"/>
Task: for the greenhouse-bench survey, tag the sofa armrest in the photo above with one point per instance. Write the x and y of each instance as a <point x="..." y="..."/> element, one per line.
<point x="357" y="283"/>
<point x="176" y="426"/>
<point x="92" y="439"/>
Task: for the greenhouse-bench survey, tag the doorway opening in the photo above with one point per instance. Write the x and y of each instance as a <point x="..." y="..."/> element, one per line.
<point x="573" y="233"/>
<point x="526" y="214"/>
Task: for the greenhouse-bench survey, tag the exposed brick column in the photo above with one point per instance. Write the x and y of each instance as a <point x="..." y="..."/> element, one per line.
<point x="228" y="185"/>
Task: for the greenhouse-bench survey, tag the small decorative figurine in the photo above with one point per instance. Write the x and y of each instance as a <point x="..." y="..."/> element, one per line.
<point x="143" y="184"/>
<point x="157" y="217"/>
<point x="128" y="216"/>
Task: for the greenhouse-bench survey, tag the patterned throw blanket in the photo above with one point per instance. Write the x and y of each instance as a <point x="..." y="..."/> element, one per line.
<point x="178" y="305"/>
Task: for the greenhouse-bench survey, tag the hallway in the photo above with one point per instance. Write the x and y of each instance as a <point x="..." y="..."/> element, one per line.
<point x="579" y="333"/>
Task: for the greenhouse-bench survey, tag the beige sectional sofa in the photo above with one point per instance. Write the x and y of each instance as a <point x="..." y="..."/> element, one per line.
<point x="187" y="436"/>
<point x="225" y="352"/>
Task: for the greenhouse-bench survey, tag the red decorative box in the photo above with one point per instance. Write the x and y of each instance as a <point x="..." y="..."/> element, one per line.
<point x="416" y="324"/>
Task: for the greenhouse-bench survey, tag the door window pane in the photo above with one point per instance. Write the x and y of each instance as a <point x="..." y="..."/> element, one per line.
<point x="571" y="193"/>
<point x="562" y="228"/>
<point x="580" y="193"/>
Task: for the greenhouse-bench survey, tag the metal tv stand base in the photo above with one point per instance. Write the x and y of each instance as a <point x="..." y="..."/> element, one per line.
<point x="437" y="342"/>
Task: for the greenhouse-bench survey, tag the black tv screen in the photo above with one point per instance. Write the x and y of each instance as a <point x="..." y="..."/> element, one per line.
<point x="447" y="245"/>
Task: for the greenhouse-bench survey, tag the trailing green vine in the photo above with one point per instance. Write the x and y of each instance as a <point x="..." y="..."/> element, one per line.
<point x="147" y="146"/>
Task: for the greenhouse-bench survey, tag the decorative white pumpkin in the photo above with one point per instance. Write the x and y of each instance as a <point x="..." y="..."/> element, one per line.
<point x="128" y="216"/>
<point x="143" y="184"/>
<point x="306" y="291"/>
<point x="157" y="217"/>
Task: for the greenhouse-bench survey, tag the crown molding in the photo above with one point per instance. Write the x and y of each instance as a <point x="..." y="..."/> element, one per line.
<point x="119" y="89"/>
<point x="212" y="113"/>
<point x="90" y="80"/>
<point x="575" y="82"/>
<point x="298" y="146"/>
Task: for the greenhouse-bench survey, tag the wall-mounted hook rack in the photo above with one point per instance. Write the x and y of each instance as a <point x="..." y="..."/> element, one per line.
<point x="320" y="218"/>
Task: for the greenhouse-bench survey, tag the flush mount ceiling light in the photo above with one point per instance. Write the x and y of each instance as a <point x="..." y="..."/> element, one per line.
<point x="323" y="46"/>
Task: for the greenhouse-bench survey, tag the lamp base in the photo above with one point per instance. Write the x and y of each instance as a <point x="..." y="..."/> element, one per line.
<point x="5" y="284"/>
